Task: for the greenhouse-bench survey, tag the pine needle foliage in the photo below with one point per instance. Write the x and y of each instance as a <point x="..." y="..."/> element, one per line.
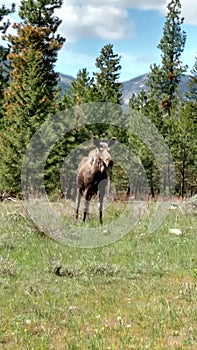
<point x="31" y="96"/>
<point x="164" y="79"/>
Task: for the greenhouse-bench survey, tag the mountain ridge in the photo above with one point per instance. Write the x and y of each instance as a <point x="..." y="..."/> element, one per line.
<point x="130" y="87"/>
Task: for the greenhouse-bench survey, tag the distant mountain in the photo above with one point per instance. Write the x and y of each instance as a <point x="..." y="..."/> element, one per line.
<point x="65" y="81"/>
<point x="135" y="85"/>
<point x="130" y="87"/>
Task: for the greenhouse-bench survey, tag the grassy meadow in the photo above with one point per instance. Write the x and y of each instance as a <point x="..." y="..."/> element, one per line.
<point x="139" y="292"/>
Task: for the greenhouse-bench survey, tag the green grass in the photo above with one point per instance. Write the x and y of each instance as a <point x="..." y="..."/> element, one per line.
<point x="137" y="293"/>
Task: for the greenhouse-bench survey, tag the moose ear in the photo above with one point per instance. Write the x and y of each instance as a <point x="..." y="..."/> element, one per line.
<point x="111" y="142"/>
<point x="96" y="142"/>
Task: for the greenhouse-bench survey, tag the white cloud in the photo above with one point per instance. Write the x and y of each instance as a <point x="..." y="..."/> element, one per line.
<point x="109" y="20"/>
<point x="189" y="11"/>
<point x="89" y="20"/>
<point x="106" y="20"/>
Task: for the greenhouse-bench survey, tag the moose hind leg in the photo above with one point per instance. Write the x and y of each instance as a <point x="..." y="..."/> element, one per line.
<point x="87" y="198"/>
<point x="78" y="200"/>
<point x="101" y="196"/>
<point x="101" y="188"/>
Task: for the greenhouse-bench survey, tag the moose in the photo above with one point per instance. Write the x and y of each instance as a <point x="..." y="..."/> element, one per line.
<point x="92" y="175"/>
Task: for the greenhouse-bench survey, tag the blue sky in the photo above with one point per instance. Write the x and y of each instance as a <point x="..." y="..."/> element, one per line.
<point x="134" y="29"/>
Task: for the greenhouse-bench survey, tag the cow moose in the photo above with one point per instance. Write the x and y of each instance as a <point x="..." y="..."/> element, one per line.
<point x="92" y="175"/>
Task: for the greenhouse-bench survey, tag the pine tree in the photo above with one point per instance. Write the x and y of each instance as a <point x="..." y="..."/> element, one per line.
<point x="32" y="94"/>
<point x="187" y="138"/>
<point x="4" y="12"/>
<point x="183" y="146"/>
<point x="104" y="86"/>
<point x="159" y="104"/>
<point x="81" y="90"/>
<point x="164" y="80"/>
<point x="148" y="107"/>
<point x="3" y="51"/>
<point x="107" y="83"/>
<point x="79" y="94"/>
<point x="192" y="85"/>
<point x="164" y="106"/>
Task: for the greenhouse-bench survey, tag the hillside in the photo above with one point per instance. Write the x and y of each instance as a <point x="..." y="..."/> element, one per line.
<point x="65" y="81"/>
<point x="135" y="85"/>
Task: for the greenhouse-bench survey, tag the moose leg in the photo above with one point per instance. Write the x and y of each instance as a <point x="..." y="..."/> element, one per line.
<point x="101" y="189"/>
<point x="87" y="198"/>
<point x="101" y="196"/>
<point x="78" y="199"/>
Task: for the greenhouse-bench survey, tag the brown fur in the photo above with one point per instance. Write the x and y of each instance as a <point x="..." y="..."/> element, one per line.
<point x="92" y="175"/>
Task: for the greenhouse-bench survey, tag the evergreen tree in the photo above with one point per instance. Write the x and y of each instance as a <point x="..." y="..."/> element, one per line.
<point x="81" y="90"/>
<point x="183" y="146"/>
<point x="3" y="51"/>
<point x="107" y="88"/>
<point x="32" y="94"/>
<point x="160" y="103"/>
<point x="79" y="94"/>
<point x="188" y="165"/>
<point x="104" y="86"/>
<point x="4" y="12"/>
<point x="192" y="85"/>
<point x="149" y="108"/>
<point x="107" y="85"/>
<point x="164" y="80"/>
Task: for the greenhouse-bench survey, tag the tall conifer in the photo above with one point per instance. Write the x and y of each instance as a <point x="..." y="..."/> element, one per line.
<point x="164" y="80"/>
<point x="107" y="83"/>
<point x="4" y="51"/>
<point x="32" y="94"/>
